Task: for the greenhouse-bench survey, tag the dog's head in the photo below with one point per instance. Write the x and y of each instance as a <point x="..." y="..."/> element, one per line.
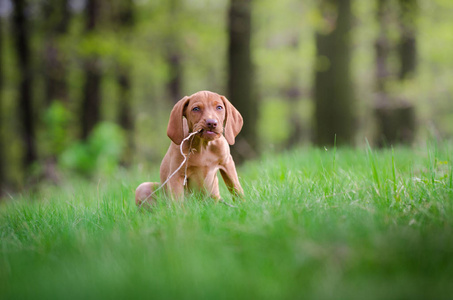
<point x="207" y="112"/>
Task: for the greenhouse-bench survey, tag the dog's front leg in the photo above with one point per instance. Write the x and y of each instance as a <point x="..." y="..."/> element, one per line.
<point x="175" y="187"/>
<point x="230" y="176"/>
<point x="173" y="182"/>
<point x="212" y="186"/>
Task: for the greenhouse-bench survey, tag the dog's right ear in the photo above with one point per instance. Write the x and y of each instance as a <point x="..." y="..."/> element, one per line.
<point x="175" y="129"/>
<point x="234" y="121"/>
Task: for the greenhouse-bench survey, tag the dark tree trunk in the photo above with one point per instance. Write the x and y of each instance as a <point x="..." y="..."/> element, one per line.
<point x="334" y="99"/>
<point x="125" y="20"/>
<point x="22" y="44"/>
<point x="91" y="96"/>
<point x="395" y="117"/>
<point x="293" y="95"/>
<point x="174" y="85"/>
<point x="93" y="75"/>
<point x="240" y="77"/>
<point x="174" y="56"/>
<point x="395" y="122"/>
<point x="382" y="46"/>
<point x="125" y="114"/>
<point x="2" y="157"/>
<point x="57" y="21"/>
<point x="408" y="43"/>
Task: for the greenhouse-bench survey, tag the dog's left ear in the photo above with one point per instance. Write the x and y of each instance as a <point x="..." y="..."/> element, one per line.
<point x="233" y="121"/>
<point x="175" y="129"/>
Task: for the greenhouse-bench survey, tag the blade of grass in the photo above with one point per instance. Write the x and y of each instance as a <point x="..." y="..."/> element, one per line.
<point x="394" y="176"/>
<point x="372" y="160"/>
<point x="333" y="164"/>
<point x="451" y="177"/>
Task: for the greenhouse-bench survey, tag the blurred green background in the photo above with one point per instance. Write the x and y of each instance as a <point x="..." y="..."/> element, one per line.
<point x="87" y="85"/>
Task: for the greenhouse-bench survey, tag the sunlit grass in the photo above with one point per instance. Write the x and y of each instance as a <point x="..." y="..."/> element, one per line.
<point x="317" y="223"/>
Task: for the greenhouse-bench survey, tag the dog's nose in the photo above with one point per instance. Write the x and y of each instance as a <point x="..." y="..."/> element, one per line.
<point x="211" y="123"/>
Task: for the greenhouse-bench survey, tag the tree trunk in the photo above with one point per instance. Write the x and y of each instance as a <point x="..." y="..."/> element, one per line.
<point x="240" y="77"/>
<point x="334" y="99"/>
<point x="125" y="114"/>
<point x="296" y="127"/>
<point x="395" y="122"/>
<point x="293" y="95"/>
<point x="408" y="43"/>
<point x="2" y="157"/>
<point x="126" y="22"/>
<point x="93" y="76"/>
<point x="91" y="96"/>
<point x="382" y="46"/>
<point x="173" y="54"/>
<point x="22" y="44"/>
<point x="174" y="85"/>
<point x="57" y="19"/>
<point x="395" y="117"/>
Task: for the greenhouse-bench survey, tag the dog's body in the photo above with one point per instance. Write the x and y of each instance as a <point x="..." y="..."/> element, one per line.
<point x="217" y="123"/>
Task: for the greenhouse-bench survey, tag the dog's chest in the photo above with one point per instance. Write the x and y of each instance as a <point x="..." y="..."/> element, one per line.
<point x="209" y="156"/>
<point x="200" y="161"/>
<point x="201" y="172"/>
<point x="205" y="161"/>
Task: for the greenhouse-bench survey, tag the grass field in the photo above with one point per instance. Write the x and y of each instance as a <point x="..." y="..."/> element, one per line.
<point x="317" y="223"/>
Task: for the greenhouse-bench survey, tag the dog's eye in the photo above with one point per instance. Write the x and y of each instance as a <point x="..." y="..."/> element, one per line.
<point x="196" y="108"/>
<point x="219" y="107"/>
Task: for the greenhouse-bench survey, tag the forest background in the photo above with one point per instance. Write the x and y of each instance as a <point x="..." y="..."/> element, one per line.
<point x="86" y="86"/>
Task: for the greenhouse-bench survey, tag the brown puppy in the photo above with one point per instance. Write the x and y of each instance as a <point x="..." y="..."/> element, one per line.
<point x="217" y="123"/>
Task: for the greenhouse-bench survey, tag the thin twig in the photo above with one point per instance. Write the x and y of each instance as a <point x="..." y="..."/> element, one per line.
<point x="227" y="204"/>
<point x="180" y="166"/>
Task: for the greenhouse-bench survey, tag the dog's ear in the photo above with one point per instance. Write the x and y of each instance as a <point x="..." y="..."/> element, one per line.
<point x="233" y="121"/>
<point x="175" y="130"/>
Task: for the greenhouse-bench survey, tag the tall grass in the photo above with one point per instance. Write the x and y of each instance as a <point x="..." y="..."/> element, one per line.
<point x="316" y="223"/>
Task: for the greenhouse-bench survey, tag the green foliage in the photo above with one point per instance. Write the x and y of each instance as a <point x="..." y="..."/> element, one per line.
<point x="293" y="237"/>
<point x="56" y="121"/>
<point x="100" y="153"/>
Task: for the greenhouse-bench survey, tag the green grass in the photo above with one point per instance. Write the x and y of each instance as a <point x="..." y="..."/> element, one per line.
<point x="336" y="223"/>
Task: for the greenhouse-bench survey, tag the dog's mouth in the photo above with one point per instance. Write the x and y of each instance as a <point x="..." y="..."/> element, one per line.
<point x="208" y="134"/>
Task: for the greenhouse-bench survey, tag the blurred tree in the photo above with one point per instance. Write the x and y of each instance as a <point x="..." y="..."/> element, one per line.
<point x="395" y="116"/>
<point x="173" y="53"/>
<point x="56" y="21"/>
<point x="25" y="89"/>
<point x="334" y="99"/>
<point x="408" y="42"/>
<point x="382" y="45"/>
<point x="240" y="76"/>
<point x="56" y="18"/>
<point x="2" y="159"/>
<point x="126" y="21"/>
<point x="293" y="94"/>
<point x="93" y="75"/>
<point x="296" y="130"/>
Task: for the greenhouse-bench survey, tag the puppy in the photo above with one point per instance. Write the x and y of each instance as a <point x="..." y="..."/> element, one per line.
<point x="213" y="123"/>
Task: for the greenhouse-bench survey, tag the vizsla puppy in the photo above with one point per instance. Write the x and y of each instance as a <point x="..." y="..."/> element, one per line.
<point x="213" y="123"/>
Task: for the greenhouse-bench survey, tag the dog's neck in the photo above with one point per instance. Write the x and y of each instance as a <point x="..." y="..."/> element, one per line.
<point x="197" y="144"/>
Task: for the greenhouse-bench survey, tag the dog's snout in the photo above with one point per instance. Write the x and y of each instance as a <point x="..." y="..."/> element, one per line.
<point x="211" y="123"/>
